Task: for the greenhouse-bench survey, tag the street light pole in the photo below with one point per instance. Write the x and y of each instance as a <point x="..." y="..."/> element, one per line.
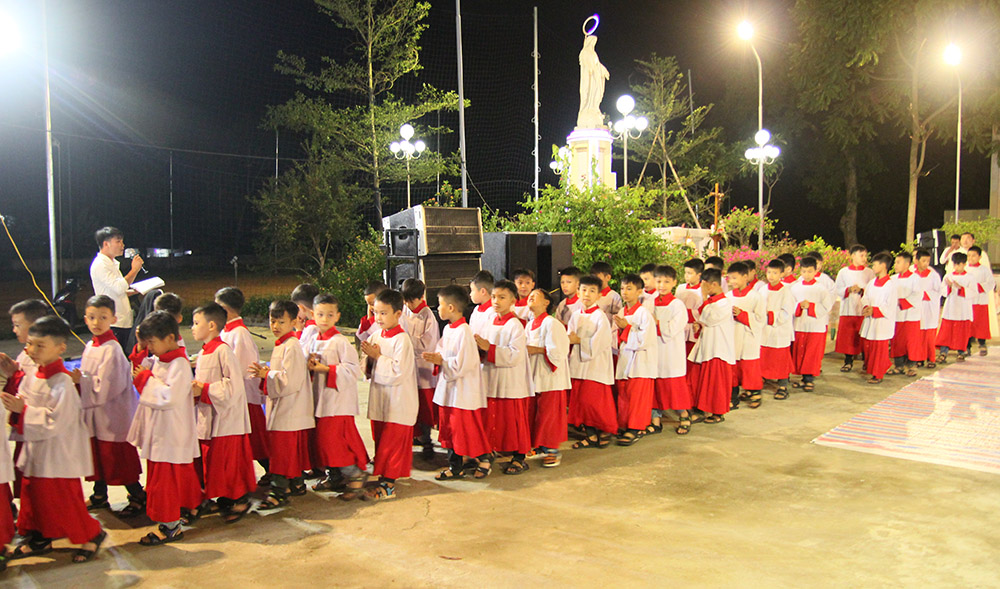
<point x="50" y="176"/>
<point x="745" y="31"/>
<point x="953" y="57"/>
<point x="405" y="150"/>
<point x="624" y="127"/>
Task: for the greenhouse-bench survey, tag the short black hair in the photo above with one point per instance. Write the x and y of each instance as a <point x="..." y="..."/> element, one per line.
<point x="647" y="268"/>
<point x="715" y="261"/>
<point x="413" y="289"/>
<point x="713" y="275"/>
<point x="522" y="272"/>
<point x="589" y="280"/>
<point x="373" y="288"/>
<point x="921" y="253"/>
<point x="214" y="313"/>
<point x="101" y="301"/>
<point x="857" y="248"/>
<point x="665" y="271"/>
<point x="282" y="307"/>
<point x="695" y="264"/>
<point x="905" y="255"/>
<point x="304" y="294"/>
<point x="601" y="268"/>
<point x="158" y="324"/>
<point x="633" y="279"/>
<point x="751" y="265"/>
<point x="959" y="258"/>
<point x="325" y="298"/>
<point x="807" y="262"/>
<point x="548" y="298"/>
<point x="571" y="271"/>
<point x="788" y="259"/>
<point x="969" y="233"/>
<point x="777" y="265"/>
<point x="815" y="254"/>
<point x="51" y="326"/>
<point x="169" y="302"/>
<point x="107" y="234"/>
<point x="506" y="285"/>
<point x="456" y="295"/>
<point x="884" y="258"/>
<point x="483" y="279"/>
<point x="231" y="297"/>
<point x="977" y="249"/>
<point x="738" y="268"/>
<point x="390" y="297"/>
<point x="955" y="236"/>
<point x="32" y="309"/>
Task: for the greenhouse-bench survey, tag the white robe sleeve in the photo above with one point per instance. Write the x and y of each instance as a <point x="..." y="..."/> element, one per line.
<point x="160" y="395"/>
<point x="392" y="369"/>
<point x="288" y="375"/>
<point x="45" y="422"/>
<point x="108" y="382"/>
<point x="509" y="353"/>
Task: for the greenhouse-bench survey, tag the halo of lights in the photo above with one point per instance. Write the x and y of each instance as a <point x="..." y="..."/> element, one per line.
<point x="625" y="104"/>
<point x="597" y="21"/>
<point x="745" y="30"/>
<point x="952" y="54"/>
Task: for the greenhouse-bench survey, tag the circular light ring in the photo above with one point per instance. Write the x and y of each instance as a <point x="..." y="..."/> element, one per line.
<point x="597" y="21"/>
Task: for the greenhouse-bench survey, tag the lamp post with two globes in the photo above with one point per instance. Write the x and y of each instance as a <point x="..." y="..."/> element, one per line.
<point x="404" y="150"/>
<point x="624" y="128"/>
<point x="763" y="154"/>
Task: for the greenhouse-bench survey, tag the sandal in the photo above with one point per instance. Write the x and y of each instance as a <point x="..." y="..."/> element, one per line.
<point x="911" y="373"/>
<point x="982" y="350"/>
<point x="893" y="371"/>
<point x="169" y="535"/>
<point x="961" y="358"/>
<point x="4" y="559"/>
<point x="274" y="500"/>
<point x="697" y="418"/>
<point x="628" y="438"/>
<point x="134" y="508"/>
<point x="744" y="396"/>
<point x="449" y="474"/>
<point x="354" y="489"/>
<point x="515" y="467"/>
<point x="382" y="492"/>
<point x="330" y="485"/>
<point x="36" y="546"/>
<point x="98" y="502"/>
<point x="587" y="442"/>
<point x="808" y="387"/>
<point x="781" y="394"/>
<point x="932" y="365"/>
<point x="481" y="471"/>
<point x="298" y="490"/>
<point x="551" y="460"/>
<point x="683" y="428"/>
<point x="755" y="400"/>
<point x="847" y="367"/>
<point x="234" y="515"/>
<point x="941" y="359"/>
<point x="603" y="441"/>
<point x="654" y="429"/>
<point x="84" y="555"/>
<point x="874" y="380"/>
<point x="713" y="419"/>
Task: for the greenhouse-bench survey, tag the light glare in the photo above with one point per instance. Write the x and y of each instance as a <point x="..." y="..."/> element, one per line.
<point x="625" y="104"/>
<point x="745" y="30"/>
<point x="952" y="54"/>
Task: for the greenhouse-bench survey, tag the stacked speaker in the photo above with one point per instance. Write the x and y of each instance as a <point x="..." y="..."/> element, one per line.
<point x="438" y="245"/>
<point x="542" y="253"/>
<point x="935" y="242"/>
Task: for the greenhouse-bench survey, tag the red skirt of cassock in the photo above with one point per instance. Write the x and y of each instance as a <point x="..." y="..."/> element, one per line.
<point x="775" y="363"/>
<point x="7" y="527"/>
<point x="549" y="426"/>
<point x="635" y="402"/>
<point x="427" y="414"/>
<point x="509" y="424"/>
<point x="747" y="374"/>
<point x="927" y="348"/>
<point x="907" y="341"/>
<point x="672" y="393"/>
<point x="463" y="431"/>
<point x="170" y="488"/>
<point x="259" y="437"/>
<point x="289" y="452"/>
<point x="592" y="405"/>
<point x="980" y="322"/>
<point x="715" y="386"/>
<point x="228" y="463"/>
<point x="393" y="449"/>
<point x="848" y="335"/>
<point x="339" y="443"/>
<point x="54" y="508"/>
<point x="954" y="335"/>
<point x="115" y="463"/>
<point x="807" y="353"/>
<point x="877" y="360"/>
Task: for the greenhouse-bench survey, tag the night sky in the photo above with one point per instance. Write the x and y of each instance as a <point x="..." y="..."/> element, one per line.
<point x="195" y="75"/>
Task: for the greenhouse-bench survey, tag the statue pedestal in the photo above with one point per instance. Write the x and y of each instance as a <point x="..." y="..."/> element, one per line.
<point x="590" y="158"/>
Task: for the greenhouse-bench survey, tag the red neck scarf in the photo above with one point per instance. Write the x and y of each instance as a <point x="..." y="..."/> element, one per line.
<point x="537" y="321"/>
<point x="212" y="344"/>
<point x="856" y="268"/>
<point x="906" y="274"/>
<point x="329" y="333"/>
<point x="483" y="307"/>
<point x="503" y="320"/>
<point x="460" y="321"/>
<point x="572" y="300"/>
<point x="173" y="355"/>
<point x="389" y="333"/>
<point x="104" y="338"/>
<point x="774" y="287"/>
<point x="233" y="324"/>
<point x="663" y="300"/>
<point x="649" y="291"/>
<point x="788" y="279"/>
<point x="419" y="308"/>
<point x="606" y="291"/>
<point x="51" y="369"/>
<point x="521" y="302"/>
<point x="924" y="273"/>
<point x="881" y="281"/>
<point x="592" y="309"/>
<point x="285" y="338"/>
<point x="737" y="292"/>
<point x="710" y="300"/>
<point x="693" y="286"/>
<point x="809" y="282"/>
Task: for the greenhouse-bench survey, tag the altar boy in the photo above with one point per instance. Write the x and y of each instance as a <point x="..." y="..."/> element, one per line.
<point x="878" y="307"/>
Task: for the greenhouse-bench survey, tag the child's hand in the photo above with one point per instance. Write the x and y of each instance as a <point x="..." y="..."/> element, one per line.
<point x="316" y="366"/>
<point x="482" y="343"/>
<point x="854" y="288"/>
<point x="197" y="388"/>
<point x="76" y="375"/>
<point x="12" y="403"/>
<point x="136" y="370"/>
<point x="532" y="350"/>
<point x="371" y="350"/>
<point x="257" y="369"/>
<point x="573" y="338"/>
<point x="804" y="305"/>
<point x="737" y="311"/>
<point x="7" y="366"/>
<point x="866" y="312"/>
<point x="621" y="322"/>
<point x="433" y="358"/>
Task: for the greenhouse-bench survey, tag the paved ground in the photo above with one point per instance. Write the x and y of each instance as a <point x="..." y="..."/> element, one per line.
<point x="749" y="503"/>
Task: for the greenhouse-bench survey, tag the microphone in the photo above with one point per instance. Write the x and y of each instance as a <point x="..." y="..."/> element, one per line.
<point x="131" y="253"/>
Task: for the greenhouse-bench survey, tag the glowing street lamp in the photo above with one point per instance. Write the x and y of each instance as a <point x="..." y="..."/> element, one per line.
<point x="953" y="57"/>
<point x="404" y="150"/>
<point x="745" y="32"/>
<point x="626" y="126"/>
<point x="762" y="155"/>
<point x="561" y="162"/>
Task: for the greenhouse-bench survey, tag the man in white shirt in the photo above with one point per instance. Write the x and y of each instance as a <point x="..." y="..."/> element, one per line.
<point x="966" y="240"/>
<point x="106" y="275"/>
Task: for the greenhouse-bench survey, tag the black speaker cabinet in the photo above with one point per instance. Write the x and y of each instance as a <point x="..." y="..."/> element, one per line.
<point x="555" y="252"/>
<point x="440" y="230"/>
<point x="435" y="271"/>
<point x="505" y="252"/>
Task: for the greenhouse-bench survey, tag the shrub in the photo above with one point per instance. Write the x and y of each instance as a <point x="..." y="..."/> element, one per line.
<point x="984" y="229"/>
<point x="363" y="263"/>
<point x="742" y="224"/>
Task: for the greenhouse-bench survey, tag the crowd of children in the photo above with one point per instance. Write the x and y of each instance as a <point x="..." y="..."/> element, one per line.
<point x="512" y="372"/>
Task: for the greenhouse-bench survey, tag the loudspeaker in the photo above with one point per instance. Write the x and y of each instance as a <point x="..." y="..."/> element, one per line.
<point x="440" y="230"/>
<point x="505" y="252"/>
<point x="436" y="272"/>
<point x="932" y="239"/>
<point x="555" y="251"/>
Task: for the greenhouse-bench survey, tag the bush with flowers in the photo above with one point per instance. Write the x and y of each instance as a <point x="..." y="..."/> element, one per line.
<point x="741" y="225"/>
<point x="833" y="258"/>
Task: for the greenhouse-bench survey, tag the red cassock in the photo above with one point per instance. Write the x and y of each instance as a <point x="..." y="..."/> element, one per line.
<point x="592" y="405"/>
<point x="339" y="442"/>
<point x="464" y="431"/>
<point x="393" y="449"/>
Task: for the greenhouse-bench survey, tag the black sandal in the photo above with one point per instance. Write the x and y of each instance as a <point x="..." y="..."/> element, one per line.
<point x="330" y="485"/>
<point x="449" y="474"/>
<point x="603" y="441"/>
<point x="234" y="515"/>
<point x="84" y="555"/>
<point x="587" y="442"/>
<point x="654" y="429"/>
<point x="298" y="490"/>
<point x="135" y="507"/>
<point x="781" y="394"/>
<point x="37" y="546"/>
<point x="481" y="472"/>
<point x="808" y="387"/>
<point x="713" y="419"/>
<point x="354" y="489"/>
<point x="98" y="502"/>
<point x="169" y="535"/>
<point x="684" y="428"/>
<point x="274" y="500"/>
<point x="847" y="367"/>
<point x="755" y="400"/>
<point x="628" y="438"/>
<point x="516" y="467"/>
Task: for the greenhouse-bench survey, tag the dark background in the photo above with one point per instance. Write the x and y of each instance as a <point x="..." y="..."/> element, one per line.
<point x="190" y="80"/>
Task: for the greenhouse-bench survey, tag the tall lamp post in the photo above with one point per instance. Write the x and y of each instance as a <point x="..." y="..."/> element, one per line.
<point x="624" y="128"/>
<point x="763" y="154"/>
<point x="404" y="150"/>
<point x="953" y="57"/>
<point x="745" y="31"/>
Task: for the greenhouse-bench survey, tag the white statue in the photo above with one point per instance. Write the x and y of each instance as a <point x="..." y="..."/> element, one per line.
<point x="592" y="77"/>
